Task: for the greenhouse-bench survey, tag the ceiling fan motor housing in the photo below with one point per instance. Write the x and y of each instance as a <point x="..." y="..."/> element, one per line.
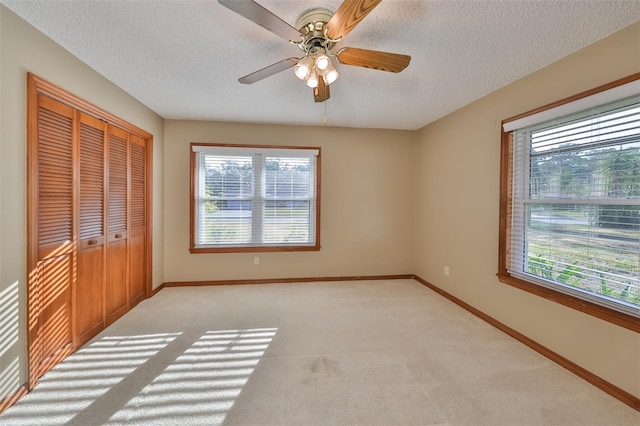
<point x="312" y="25"/>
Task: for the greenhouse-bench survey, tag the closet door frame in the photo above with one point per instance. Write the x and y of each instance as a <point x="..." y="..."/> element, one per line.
<point x="36" y="86"/>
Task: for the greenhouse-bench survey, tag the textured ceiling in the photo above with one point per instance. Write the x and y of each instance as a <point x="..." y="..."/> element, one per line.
<point x="183" y="58"/>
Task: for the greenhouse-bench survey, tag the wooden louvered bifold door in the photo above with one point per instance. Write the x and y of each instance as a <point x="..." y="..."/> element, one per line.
<point x="137" y="236"/>
<point x="51" y="278"/>
<point x="91" y="230"/>
<point x="88" y="222"/>
<point x="117" y="228"/>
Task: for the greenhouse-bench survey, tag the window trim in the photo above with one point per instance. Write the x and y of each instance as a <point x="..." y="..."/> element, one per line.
<point x="251" y="249"/>
<point x="613" y="316"/>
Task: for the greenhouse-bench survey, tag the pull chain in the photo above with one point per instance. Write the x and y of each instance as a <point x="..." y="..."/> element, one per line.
<point x="324" y="121"/>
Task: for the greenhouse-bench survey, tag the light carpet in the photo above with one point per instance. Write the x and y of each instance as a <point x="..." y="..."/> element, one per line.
<point x="332" y="353"/>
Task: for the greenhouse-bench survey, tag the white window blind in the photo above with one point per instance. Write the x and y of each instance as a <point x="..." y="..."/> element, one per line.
<point x="254" y="197"/>
<point x="575" y="204"/>
<point x="582" y="104"/>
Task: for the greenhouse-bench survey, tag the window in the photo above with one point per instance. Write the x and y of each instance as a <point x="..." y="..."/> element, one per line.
<point x="252" y="198"/>
<point x="570" y="202"/>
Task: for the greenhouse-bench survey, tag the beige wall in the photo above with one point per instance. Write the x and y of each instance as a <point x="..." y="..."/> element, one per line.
<point x="456" y="216"/>
<point x="24" y="49"/>
<point x="366" y="200"/>
<point x="372" y="181"/>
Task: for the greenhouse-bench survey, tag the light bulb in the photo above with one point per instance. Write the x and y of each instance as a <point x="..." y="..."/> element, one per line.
<point x="301" y="71"/>
<point x="322" y="62"/>
<point x="330" y="76"/>
<point x="302" y="68"/>
<point x="312" y="80"/>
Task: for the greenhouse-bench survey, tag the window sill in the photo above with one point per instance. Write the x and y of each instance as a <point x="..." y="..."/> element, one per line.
<point x="200" y="250"/>
<point x="623" y="320"/>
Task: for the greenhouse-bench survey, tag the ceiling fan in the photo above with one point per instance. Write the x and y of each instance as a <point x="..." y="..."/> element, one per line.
<point x="316" y="33"/>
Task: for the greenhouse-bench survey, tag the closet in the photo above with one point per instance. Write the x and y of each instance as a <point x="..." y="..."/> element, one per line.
<point x="88" y="233"/>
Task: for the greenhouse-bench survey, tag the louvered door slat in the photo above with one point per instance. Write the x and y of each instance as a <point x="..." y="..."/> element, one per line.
<point x="52" y="182"/>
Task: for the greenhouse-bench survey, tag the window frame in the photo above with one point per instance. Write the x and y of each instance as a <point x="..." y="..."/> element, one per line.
<point x="599" y="311"/>
<point x="255" y="248"/>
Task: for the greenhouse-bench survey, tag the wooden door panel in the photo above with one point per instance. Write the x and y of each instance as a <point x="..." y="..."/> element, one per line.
<point x="89" y="294"/>
<point x="117" y="224"/>
<point x="50" y="233"/>
<point x="56" y="338"/>
<point x="116" y="294"/>
<point x="138" y="275"/>
<point x="91" y="229"/>
<point x="138" y="224"/>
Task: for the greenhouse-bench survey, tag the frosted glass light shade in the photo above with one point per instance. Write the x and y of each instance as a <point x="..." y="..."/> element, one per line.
<point x="322" y="62"/>
<point x="302" y="69"/>
<point x="312" y="81"/>
<point x="330" y="76"/>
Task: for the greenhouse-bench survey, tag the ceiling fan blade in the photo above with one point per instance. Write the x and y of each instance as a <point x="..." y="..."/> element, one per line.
<point x="383" y="61"/>
<point x="348" y="15"/>
<point x="268" y="71"/>
<point x="261" y="16"/>
<point x="321" y="93"/>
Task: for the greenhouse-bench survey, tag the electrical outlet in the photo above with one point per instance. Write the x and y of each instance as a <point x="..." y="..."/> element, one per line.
<point x="256" y="260"/>
<point x="446" y="270"/>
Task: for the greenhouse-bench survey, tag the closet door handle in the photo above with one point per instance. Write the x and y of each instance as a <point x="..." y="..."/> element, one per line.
<point x="92" y="242"/>
<point x="117" y="236"/>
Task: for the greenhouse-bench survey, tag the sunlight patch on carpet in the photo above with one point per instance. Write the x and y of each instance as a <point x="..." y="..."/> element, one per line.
<point x="147" y="379"/>
<point x="202" y="384"/>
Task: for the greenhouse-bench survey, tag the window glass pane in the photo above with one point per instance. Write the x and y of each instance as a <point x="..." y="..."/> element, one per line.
<point x="592" y="157"/>
<point x="228" y="177"/>
<point x="225" y="222"/>
<point x="589" y="247"/>
<point x="596" y="172"/>
<point x="287" y="221"/>
<point x="287" y="177"/>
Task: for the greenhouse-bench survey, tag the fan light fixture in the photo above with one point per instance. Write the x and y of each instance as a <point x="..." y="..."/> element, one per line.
<point x="316" y="32"/>
<point x="314" y="65"/>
